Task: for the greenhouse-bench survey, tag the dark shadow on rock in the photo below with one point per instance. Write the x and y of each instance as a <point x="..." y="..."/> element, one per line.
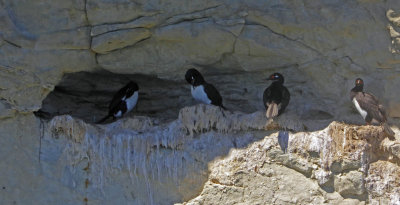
<point x="87" y="95"/>
<point x="283" y="140"/>
<point x="155" y="155"/>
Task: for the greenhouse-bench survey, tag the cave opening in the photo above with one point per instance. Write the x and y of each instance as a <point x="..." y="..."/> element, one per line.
<point x="86" y="95"/>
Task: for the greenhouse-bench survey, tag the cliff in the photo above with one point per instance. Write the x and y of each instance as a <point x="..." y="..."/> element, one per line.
<point x="61" y="61"/>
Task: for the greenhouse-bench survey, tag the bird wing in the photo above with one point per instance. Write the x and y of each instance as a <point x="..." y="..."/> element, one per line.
<point x="285" y="97"/>
<point x="266" y="96"/>
<point x="370" y="103"/>
<point x="116" y="100"/>
<point x="213" y="94"/>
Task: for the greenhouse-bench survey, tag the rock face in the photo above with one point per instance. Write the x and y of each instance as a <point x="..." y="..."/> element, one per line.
<point x="118" y="39"/>
<point x="64" y="59"/>
<point x="317" y="45"/>
<point x="328" y="166"/>
<point x="136" y="160"/>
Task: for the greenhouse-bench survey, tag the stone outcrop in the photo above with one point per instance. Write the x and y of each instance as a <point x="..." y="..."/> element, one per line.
<point x="118" y="39"/>
<point x="337" y="165"/>
<point x="62" y="60"/>
<point x="323" y="44"/>
<point x="135" y="160"/>
<point x="394" y="19"/>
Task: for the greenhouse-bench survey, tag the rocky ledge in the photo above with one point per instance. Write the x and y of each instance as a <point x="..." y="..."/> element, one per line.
<point x="212" y="156"/>
<point x="54" y="56"/>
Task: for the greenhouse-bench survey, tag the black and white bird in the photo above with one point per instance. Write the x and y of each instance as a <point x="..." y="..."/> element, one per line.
<point x="276" y="97"/>
<point x="369" y="107"/>
<point x="123" y="101"/>
<point x="201" y="90"/>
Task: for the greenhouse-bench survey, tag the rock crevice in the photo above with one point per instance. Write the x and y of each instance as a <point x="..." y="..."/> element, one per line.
<point x="54" y="58"/>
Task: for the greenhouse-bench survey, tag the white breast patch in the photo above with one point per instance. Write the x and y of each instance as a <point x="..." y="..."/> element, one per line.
<point x="132" y="101"/>
<point x="118" y="114"/>
<point x="199" y="94"/>
<point x="360" y="110"/>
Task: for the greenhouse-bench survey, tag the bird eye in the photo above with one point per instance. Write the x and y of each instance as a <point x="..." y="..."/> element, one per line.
<point x="192" y="78"/>
<point x="276" y="76"/>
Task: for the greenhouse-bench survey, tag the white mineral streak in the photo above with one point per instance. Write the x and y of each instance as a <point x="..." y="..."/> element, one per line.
<point x="319" y="46"/>
<point x="110" y="151"/>
<point x="148" y="153"/>
<point x="178" y="151"/>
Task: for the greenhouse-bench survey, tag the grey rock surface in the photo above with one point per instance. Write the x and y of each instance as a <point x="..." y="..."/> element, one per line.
<point x="67" y="58"/>
<point x="118" y="39"/>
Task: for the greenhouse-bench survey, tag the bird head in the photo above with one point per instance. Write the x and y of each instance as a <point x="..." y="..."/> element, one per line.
<point x="276" y="77"/>
<point x="359" y="85"/>
<point x="131" y="88"/>
<point x="194" y="77"/>
<point x="359" y="82"/>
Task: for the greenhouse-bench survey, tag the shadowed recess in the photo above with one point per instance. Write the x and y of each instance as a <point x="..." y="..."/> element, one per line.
<point x="87" y="95"/>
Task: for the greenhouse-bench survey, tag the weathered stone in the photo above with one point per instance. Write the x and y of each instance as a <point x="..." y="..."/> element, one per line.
<point x="172" y="48"/>
<point x="393" y="17"/>
<point x="297" y="164"/>
<point x="332" y="34"/>
<point x="350" y="184"/>
<point x="21" y="68"/>
<point x="21" y="165"/>
<point x="396" y="150"/>
<point x="319" y="46"/>
<point x="118" y="39"/>
<point x="2" y="42"/>
<point x="104" y="11"/>
<point x="255" y="173"/>
<point x="30" y="19"/>
<point x="383" y="182"/>
<point x="393" y="28"/>
<point x="142" y="22"/>
<point x="72" y="39"/>
<point x="259" y="47"/>
<point x="196" y="15"/>
<point x="118" y="11"/>
<point x="6" y="110"/>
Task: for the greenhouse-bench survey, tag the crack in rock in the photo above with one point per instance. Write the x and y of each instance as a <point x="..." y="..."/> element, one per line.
<point x="140" y="22"/>
<point x="205" y="13"/>
<point x="286" y="37"/>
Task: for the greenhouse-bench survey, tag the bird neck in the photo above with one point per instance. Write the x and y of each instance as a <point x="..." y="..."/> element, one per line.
<point x="357" y="88"/>
<point x="199" y="81"/>
<point x="278" y="83"/>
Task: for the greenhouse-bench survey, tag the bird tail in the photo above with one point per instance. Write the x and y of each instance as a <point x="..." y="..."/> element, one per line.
<point x="103" y="119"/>
<point x="388" y="131"/>
<point x="272" y="110"/>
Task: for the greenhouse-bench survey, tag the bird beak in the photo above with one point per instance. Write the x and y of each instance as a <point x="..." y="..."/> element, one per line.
<point x="271" y="77"/>
<point x="192" y="81"/>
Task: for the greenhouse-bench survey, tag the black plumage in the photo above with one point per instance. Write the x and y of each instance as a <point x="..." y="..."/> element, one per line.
<point x="372" y="111"/>
<point x="276" y="97"/>
<point x="123" y="101"/>
<point x="201" y="90"/>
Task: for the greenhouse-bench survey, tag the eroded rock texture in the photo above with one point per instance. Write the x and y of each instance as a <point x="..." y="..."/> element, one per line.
<point x="136" y="160"/>
<point x="337" y="165"/>
<point x="65" y="59"/>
